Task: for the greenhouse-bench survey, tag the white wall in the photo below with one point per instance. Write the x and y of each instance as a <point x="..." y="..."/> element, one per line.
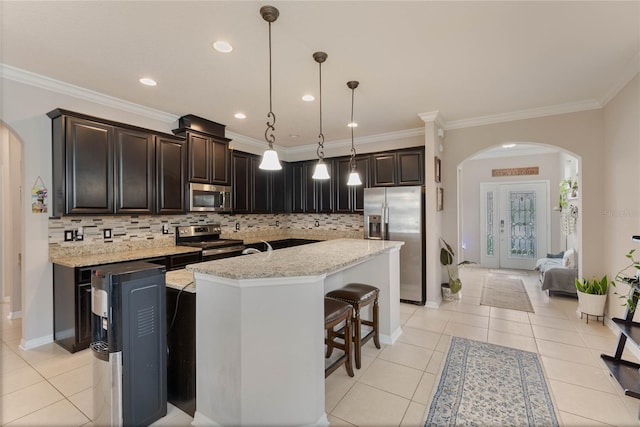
<point x="478" y="171"/>
<point x="578" y="133"/>
<point x="619" y="212"/>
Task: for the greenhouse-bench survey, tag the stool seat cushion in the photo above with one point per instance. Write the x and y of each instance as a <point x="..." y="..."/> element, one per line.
<point x="334" y="309"/>
<point x="354" y="292"/>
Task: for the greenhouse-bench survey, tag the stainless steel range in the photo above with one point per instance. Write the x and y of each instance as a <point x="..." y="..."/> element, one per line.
<point x="208" y="238"/>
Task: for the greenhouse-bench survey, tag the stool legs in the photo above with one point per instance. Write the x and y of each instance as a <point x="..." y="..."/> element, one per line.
<point x="357" y="323"/>
<point x="376" y="335"/>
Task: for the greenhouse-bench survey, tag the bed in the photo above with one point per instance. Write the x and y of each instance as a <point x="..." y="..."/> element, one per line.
<point x="558" y="274"/>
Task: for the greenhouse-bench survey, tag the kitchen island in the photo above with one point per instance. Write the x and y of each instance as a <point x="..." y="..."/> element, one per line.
<point x="260" y="328"/>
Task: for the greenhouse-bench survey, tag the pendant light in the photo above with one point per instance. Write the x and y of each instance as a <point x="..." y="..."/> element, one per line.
<point x="354" y="177"/>
<point x="270" y="157"/>
<point x="320" y="172"/>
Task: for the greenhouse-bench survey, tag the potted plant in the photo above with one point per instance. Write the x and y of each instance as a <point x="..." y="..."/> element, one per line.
<point x="592" y="295"/>
<point x="629" y="276"/>
<point x="450" y="290"/>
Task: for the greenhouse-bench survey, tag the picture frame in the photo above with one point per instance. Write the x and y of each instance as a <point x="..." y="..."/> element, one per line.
<point x="437" y="167"/>
<point x="440" y="199"/>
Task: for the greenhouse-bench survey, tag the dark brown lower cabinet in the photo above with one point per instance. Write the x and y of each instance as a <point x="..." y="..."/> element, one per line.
<point x="181" y="346"/>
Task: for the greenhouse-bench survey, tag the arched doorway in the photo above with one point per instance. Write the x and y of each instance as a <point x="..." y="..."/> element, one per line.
<point x="10" y="223"/>
<point x="510" y="213"/>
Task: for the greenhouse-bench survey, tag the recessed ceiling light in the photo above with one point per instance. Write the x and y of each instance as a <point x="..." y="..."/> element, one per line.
<point x="308" y="98"/>
<point x="353" y="125"/>
<point x="148" y="81"/>
<point x="293" y="135"/>
<point x="240" y="116"/>
<point x="222" y="46"/>
<point x="508" y="145"/>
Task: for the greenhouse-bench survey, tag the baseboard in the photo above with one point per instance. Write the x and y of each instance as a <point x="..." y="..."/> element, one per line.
<point x="432" y="304"/>
<point x="36" y="342"/>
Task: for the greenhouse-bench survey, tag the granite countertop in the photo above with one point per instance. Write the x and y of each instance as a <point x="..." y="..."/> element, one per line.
<point x="107" y="258"/>
<point x="180" y="279"/>
<point x="307" y="234"/>
<point x="307" y="260"/>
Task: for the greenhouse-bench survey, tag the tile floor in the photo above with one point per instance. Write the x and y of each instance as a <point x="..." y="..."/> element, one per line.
<point x="48" y="386"/>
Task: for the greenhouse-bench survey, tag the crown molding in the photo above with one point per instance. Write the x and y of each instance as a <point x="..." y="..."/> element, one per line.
<point x="47" y="83"/>
<point x="626" y="75"/>
<point x="364" y="140"/>
<point x="552" y="110"/>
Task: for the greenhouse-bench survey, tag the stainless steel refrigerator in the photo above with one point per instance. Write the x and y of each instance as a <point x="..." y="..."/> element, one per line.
<point x="397" y="213"/>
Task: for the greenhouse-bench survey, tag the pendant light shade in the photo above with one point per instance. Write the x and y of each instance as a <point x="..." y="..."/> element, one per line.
<point x="354" y="176"/>
<point x="270" y="157"/>
<point x="320" y="171"/>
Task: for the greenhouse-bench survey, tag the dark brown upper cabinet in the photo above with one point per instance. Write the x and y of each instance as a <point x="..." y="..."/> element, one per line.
<point x="83" y="156"/>
<point x="209" y="158"/>
<point x="171" y="157"/>
<point x="311" y="195"/>
<point x="298" y="188"/>
<point x="241" y="183"/>
<point x="402" y="167"/>
<point x="350" y="198"/>
<point x="135" y="172"/>
<point x="102" y="167"/>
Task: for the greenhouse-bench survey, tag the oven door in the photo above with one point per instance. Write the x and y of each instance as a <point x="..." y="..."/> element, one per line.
<point x="220" y="253"/>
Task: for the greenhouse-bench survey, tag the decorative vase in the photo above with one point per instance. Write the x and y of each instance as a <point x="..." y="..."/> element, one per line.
<point x="591" y="304"/>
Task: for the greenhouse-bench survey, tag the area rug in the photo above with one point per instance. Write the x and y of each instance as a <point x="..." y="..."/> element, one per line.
<point x="484" y="384"/>
<point x="505" y="292"/>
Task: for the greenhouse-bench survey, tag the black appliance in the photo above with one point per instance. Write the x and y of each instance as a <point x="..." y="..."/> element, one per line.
<point x="208" y="238"/>
<point x="128" y="344"/>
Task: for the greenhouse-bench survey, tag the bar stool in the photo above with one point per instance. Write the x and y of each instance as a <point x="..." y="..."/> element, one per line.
<point x="359" y="295"/>
<point x="336" y="312"/>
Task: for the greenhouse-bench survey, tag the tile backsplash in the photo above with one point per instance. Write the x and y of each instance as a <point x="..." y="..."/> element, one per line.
<point x="145" y="231"/>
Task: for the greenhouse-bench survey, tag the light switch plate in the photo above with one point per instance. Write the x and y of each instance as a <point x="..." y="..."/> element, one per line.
<point x="106" y="233"/>
<point x="68" y="235"/>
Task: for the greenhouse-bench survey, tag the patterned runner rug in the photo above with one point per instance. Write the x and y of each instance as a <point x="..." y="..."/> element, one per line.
<point x="505" y="292"/>
<point x="484" y="384"/>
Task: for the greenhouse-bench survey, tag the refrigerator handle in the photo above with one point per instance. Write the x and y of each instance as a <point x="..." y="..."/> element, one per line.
<point x="385" y="222"/>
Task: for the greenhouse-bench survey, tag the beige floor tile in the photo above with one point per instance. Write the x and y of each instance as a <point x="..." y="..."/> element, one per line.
<point x="571" y="353"/>
<point x="443" y="343"/>
<point x="551" y="322"/>
<point x="546" y="311"/>
<point x="600" y="342"/>
<point x="592" y="328"/>
<point x="335" y="388"/>
<point x="408" y="308"/>
<point x="511" y="340"/>
<point x="55" y="366"/>
<point x="591" y="404"/>
<point x="11" y="362"/>
<point x="572" y="420"/>
<point x="18" y="379"/>
<point x="407" y="355"/>
<point x="419" y="337"/>
<point x="461" y="307"/>
<point x="435" y="363"/>
<point x="61" y="413"/>
<point x="368" y="406"/>
<point x="337" y="422"/>
<point x="391" y="377"/>
<point x="84" y="402"/>
<point x="174" y="418"/>
<point x="427" y="324"/>
<point x="415" y="415"/>
<point x="430" y="313"/>
<point x="577" y="374"/>
<point x="27" y="400"/>
<point x="466" y="331"/>
<point x="511" y="315"/>
<point x="558" y="335"/>
<point x="43" y="352"/>
<point x="424" y="391"/>
<point x="471" y="320"/>
<point x="73" y="381"/>
<point x="510" y="326"/>
<point x="370" y="350"/>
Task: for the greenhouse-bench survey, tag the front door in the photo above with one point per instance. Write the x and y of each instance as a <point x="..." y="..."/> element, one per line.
<point x="514" y="224"/>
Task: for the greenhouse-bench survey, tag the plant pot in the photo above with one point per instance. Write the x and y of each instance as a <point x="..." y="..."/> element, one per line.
<point x="447" y="295"/>
<point x="591" y="304"/>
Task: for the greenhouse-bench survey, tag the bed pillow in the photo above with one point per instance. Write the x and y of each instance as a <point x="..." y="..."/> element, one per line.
<point x="558" y="255"/>
<point x="569" y="259"/>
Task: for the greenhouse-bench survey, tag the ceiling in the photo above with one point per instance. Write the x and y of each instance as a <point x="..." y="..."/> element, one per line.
<point x="464" y="59"/>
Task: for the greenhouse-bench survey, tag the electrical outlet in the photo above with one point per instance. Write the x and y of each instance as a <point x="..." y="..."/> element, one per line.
<point x="317" y="223"/>
<point x="68" y="235"/>
<point x="106" y="233"/>
<point x="165" y="228"/>
<point x="79" y="236"/>
<point x="237" y="226"/>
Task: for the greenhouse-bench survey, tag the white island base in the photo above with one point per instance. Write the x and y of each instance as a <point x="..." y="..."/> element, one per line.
<point x="260" y="328"/>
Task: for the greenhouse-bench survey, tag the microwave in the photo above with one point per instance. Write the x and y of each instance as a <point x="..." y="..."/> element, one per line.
<point x="209" y="198"/>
